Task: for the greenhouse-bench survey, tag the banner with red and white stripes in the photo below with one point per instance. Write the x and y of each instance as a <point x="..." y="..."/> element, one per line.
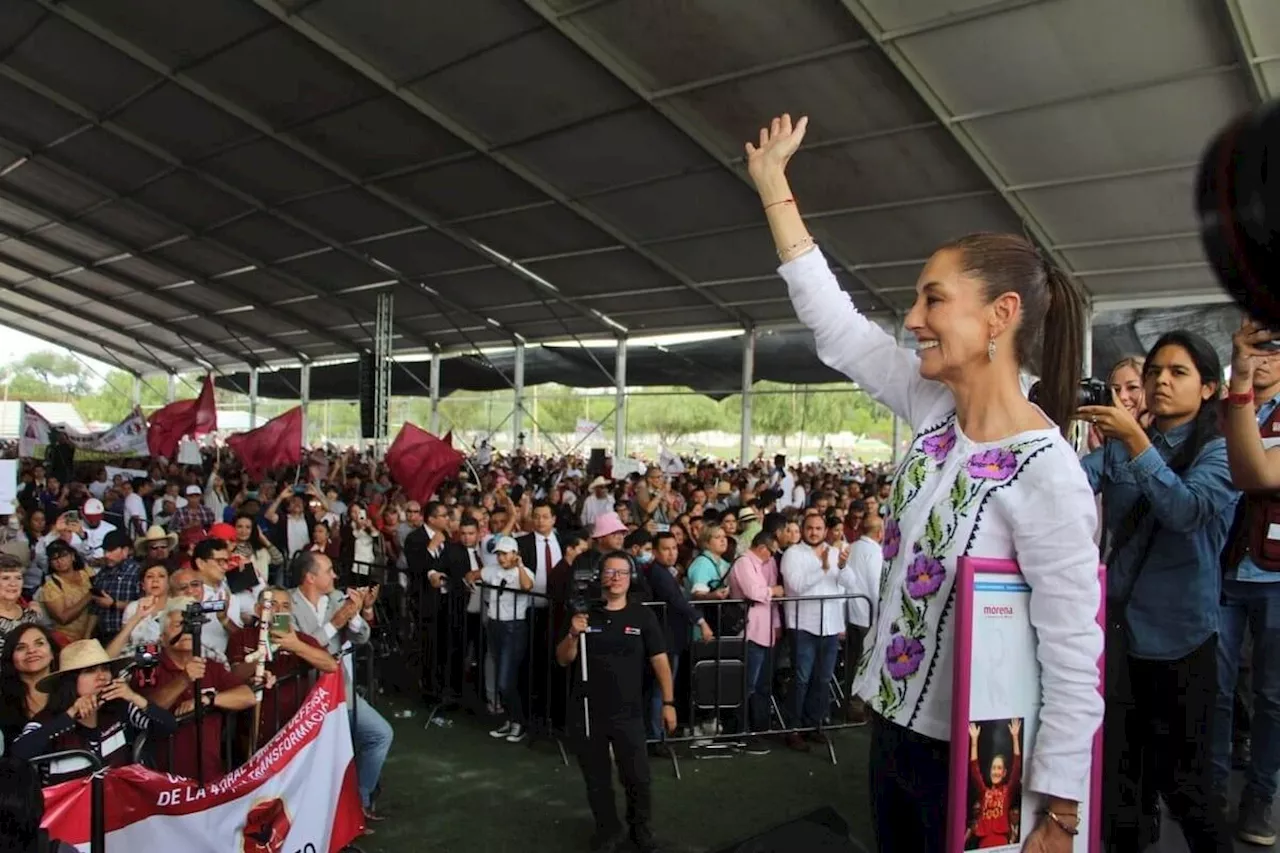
<point x="298" y="793"/>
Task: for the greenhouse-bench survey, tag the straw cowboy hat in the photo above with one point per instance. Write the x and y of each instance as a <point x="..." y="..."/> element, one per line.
<point x="79" y="656"/>
<point x="600" y="483"/>
<point x="155" y="533"/>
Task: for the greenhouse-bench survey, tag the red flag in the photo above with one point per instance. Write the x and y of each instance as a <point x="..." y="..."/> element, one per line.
<point x="420" y="462"/>
<point x="275" y="443"/>
<point x="192" y="418"/>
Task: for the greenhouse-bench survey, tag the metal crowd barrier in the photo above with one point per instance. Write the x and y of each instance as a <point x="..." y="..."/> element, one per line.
<point x="97" y="793"/>
<point x="460" y="668"/>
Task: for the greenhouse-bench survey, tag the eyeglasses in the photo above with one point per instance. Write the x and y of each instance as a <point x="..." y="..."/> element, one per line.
<point x="606" y="574"/>
<point x="195" y="584"/>
<point x="163" y="546"/>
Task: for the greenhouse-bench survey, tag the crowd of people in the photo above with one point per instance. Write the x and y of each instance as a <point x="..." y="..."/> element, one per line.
<point x="524" y="563"/>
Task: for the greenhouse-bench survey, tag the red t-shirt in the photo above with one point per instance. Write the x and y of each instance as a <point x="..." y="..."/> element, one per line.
<point x="178" y="754"/>
<point x="291" y="674"/>
<point x="992" y="827"/>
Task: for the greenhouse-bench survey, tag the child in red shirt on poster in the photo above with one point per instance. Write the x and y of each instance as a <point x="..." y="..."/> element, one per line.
<point x="993" y="826"/>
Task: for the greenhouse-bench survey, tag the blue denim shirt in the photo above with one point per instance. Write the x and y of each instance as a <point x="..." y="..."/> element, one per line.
<point x="1174" y="606"/>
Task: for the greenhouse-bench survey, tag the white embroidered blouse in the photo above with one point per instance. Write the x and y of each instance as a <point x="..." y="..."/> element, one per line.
<point x="1024" y="497"/>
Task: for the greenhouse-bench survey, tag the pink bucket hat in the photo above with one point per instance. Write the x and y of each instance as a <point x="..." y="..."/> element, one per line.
<point x="607" y="525"/>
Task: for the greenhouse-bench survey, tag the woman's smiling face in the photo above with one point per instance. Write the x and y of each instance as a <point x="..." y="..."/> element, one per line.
<point x="951" y="318"/>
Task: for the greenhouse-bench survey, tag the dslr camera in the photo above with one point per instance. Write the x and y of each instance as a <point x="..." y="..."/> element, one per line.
<point x="1092" y="392"/>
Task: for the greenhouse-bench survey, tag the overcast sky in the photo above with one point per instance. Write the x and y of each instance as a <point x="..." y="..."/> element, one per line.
<point x="15" y="344"/>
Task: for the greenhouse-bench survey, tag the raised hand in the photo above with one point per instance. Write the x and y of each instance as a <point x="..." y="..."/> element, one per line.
<point x="974" y="731"/>
<point x="1015" y="727"/>
<point x="778" y="142"/>
<point x="1245" y="350"/>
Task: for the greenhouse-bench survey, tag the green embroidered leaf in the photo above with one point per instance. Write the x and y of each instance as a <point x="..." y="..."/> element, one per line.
<point x="910" y="614"/>
<point x="933" y="534"/>
<point x="916" y="473"/>
<point x="887" y="694"/>
<point x="959" y="489"/>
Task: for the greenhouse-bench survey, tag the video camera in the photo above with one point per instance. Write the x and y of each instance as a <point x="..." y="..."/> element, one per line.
<point x="585" y="594"/>
<point x="145" y="657"/>
<point x="193" y="619"/>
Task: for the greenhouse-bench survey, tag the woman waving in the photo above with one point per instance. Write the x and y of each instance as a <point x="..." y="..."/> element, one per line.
<point x="988" y="474"/>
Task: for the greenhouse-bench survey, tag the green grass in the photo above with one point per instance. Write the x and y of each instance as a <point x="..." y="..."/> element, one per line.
<point x="457" y="790"/>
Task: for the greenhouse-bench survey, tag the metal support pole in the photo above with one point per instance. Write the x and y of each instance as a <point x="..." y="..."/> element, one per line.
<point x="897" y="425"/>
<point x="1086" y="368"/>
<point x="382" y="370"/>
<point x="304" y="393"/>
<point x="620" y="409"/>
<point x="434" y="423"/>
<point x="171" y="390"/>
<point x="253" y="398"/>
<point x="517" y="399"/>
<point x="748" y="377"/>
<point x="135" y="396"/>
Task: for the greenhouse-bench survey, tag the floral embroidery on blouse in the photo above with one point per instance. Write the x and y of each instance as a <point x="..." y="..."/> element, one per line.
<point x="928" y="581"/>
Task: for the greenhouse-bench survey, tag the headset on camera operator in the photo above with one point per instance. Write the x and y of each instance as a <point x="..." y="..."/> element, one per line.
<point x="610" y="642"/>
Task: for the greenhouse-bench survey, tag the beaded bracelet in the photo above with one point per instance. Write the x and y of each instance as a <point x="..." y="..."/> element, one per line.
<point x="796" y="249"/>
<point x="783" y="201"/>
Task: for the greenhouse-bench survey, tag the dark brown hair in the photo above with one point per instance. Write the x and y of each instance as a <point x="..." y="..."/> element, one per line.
<point x="1049" y="340"/>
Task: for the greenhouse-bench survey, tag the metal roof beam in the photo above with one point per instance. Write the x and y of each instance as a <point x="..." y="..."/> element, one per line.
<point x="110" y="356"/>
<point x="894" y="53"/>
<point x="1242" y="42"/>
<point x="73" y="260"/>
<point x="989" y="10"/>
<point x="750" y="71"/>
<point x="35" y="275"/>
<point x="259" y="124"/>
<point x="50" y="162"/>
<point x="77" y="334"/>
<point x="438" y="116"/>
<point x="168" y="157"/>
<point x="685" y="124"/>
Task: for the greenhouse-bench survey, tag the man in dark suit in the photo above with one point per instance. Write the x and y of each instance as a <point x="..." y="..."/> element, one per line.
<point x="437" y="567"/>
<point x="541" y="551"/>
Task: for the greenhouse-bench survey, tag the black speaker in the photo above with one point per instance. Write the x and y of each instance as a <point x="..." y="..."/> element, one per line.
<point x="596" y="464"/>
<point x="368" y="393"/>
<point x="821" y="831"/>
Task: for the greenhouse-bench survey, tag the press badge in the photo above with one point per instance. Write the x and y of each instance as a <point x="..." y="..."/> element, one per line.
<point x="635" y="632"/>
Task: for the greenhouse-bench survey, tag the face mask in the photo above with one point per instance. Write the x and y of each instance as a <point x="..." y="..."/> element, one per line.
<point x="644" y="558"/>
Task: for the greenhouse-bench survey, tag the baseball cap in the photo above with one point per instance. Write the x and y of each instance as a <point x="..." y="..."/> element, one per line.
<point x="193" y="490"/>
<point x="505" y="543"/>
<point x="93" y="506"/>
<point x="222" y="531"/>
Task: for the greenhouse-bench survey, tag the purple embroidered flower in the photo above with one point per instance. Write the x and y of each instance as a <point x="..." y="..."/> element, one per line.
<point x="892" y="539"/>
<point x="994" y="464"/>
<point x="938" y="446"/>
<point x="924" y="576"/>
<point x="903" y="656"/>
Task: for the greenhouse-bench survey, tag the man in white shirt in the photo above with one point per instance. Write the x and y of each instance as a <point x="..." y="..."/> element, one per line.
<point x="599" y="503"/>
<point x="135" y="509"/>
<point x="507" y="608"/>
<point x="210" y="558"/>
<point x="814" y="568"/>
<point x="781" y="480"/>
<point x="866" y="562"/>
<point x="94" y="529"/>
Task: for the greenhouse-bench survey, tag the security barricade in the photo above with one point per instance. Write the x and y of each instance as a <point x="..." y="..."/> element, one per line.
<point x="98" y="809"/>
<point x="752" y="681"/>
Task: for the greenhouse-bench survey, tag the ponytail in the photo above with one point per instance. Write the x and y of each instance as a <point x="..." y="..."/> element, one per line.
<point x="1062" y="356"/>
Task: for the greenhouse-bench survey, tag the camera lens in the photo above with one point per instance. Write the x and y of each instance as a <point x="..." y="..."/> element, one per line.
<point x="1240" y="213"/>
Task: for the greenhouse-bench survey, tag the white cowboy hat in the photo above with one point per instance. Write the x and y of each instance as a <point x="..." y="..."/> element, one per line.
<point x="155" y="533"/>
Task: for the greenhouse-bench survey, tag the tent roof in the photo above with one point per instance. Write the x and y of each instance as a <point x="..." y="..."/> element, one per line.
<point x="712" y="367"/>
<point x="236" y="184"/>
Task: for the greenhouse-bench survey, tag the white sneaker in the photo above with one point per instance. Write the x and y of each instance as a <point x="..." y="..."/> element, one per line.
<point x="503" y="730"/>
<point x="516" y="734"/>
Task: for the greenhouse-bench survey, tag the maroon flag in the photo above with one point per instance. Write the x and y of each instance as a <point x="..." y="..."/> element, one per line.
<point x="420" y="462"/>
<point x="193" y="418"/>
<point x="277" y="442"/>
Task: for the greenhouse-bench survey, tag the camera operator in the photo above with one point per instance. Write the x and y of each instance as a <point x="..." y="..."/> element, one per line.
<point x="171" y="685"/>
<point x="620" y="638"/>
<point x="1168" y="503"/>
